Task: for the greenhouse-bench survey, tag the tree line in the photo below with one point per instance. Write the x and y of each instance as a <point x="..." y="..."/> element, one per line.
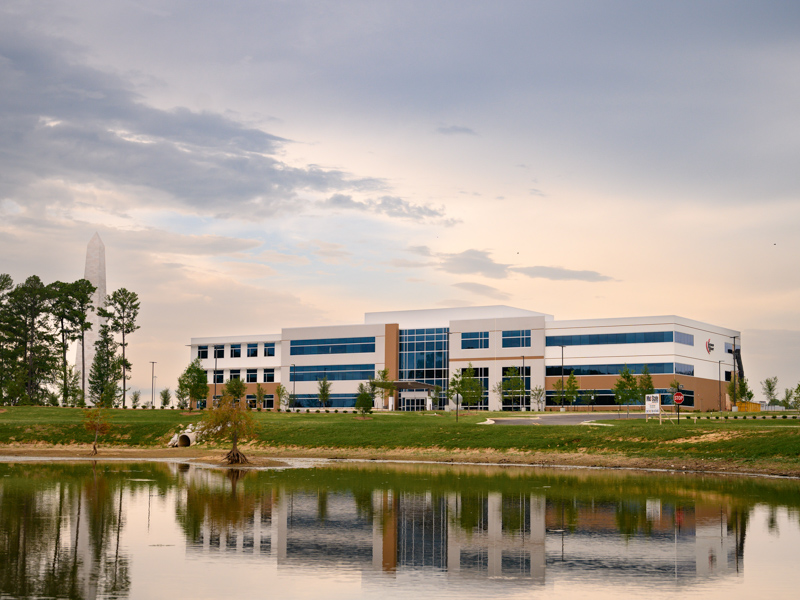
<point x="39" y="322"/>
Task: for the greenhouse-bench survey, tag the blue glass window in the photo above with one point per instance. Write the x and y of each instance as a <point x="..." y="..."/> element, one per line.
<point x="202" y="352"/>
<point x="252" y="376"/>
<point x="235" y="374"/>
<point x="219" y="351"/>
<point x="269" y="375"/>
<point x="517" y="339"/>
<point x="683" y="369"/>
<point x="332" y="372"/>
<point x="333" y="346"/>
<point x="636" y="369"/>
<point x="684" y="338"/>
<point x="474" y="340"/>
<point x="218" y="377"/>
<point x="236" y="350"/>
<point x="252" y="350"/>
<point x="335" y="401"/>
<point x="595" y="339"/>
<point x="269" y="349"/>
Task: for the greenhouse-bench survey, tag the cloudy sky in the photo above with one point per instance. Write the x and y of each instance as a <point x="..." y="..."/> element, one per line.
<point x="255" y="165"/>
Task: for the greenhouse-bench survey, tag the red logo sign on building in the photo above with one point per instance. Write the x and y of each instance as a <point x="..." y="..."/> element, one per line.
<point x="709" y="346"/>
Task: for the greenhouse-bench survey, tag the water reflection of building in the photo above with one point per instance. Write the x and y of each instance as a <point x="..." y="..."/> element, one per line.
<point x="482" y="535"/>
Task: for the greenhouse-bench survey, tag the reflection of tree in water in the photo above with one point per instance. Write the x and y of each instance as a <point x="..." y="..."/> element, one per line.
<point x="59" y="537"/>
<point x="216" y="500"/>
<point x="631" y="518"/>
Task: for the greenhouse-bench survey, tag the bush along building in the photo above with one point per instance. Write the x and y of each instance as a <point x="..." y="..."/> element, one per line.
<point x="508" y="349"/>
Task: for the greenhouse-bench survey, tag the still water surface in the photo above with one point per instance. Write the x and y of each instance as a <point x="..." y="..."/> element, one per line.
<point x="365" y="530"/>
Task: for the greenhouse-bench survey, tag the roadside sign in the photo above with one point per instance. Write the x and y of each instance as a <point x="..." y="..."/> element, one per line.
<point x="678" y="398"/>
<point x="652" y="404"/>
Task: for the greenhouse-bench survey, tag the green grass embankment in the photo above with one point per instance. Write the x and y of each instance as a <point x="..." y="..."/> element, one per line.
<point x="740" y="441"/>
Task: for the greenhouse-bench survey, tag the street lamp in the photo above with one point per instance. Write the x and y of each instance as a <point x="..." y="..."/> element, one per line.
<point x="733" y="368"/>
<point x="562" y="373"/>
<point x="293" y="377"/>
<point x="152" y="383"/>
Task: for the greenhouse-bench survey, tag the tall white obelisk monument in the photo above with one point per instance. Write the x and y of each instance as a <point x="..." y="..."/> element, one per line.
<point x="95" y="273"/>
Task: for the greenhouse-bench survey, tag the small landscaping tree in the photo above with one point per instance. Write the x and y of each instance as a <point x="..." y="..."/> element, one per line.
<point x="229" y="420"/>
<point x="644" y="384"/>
<point x="166" y="397"/>
<point x="281" y="396"/>
<point x="136" y="397"/>
<point x="260" y="394"/>
<point x="625" y="389"/>
<point x="95" y="421"/>
<point x="537" y="398"/>
<point x="571" y="389"/>
<point x="235" y="388"/>
<point x="385" y="385"/>
<point x="770" y="388"/>
<point x="471" y="387"/>
<point x="324" y="391"/>
<point x="193" y="383"/>
<point x="365" y="398"/>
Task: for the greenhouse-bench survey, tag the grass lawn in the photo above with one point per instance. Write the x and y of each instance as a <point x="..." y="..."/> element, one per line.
<point x="739" y="440"/>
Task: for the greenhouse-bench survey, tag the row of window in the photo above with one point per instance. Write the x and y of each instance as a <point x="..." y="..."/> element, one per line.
<point x="517" y="339"/>
<point x="332" y="372"/>
<point x="352" y="345"/>
<point x="250" y="375"/>
<point x="640" y="337"/>
<point x="335" y="401"/>
<point x="474" y="340"/>
<point x="636" y="369"/>
<point x="236" y="350"/>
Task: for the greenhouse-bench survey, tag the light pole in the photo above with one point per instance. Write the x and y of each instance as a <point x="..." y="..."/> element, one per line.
<point x="562" y="374"/>
<point x="293" y="377"/>
<point x="152" y="383"/>
<point x="215" y="377"/>
<point x="523" y="383"/>
<point x="733" y="368"/>
<point x="719" y="383"/>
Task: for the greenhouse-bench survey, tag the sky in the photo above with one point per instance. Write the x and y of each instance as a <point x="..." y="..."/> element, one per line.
<point x="267" y="164"/>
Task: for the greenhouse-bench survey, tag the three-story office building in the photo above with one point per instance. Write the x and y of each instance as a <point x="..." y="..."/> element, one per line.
<point x="422" y="349"/>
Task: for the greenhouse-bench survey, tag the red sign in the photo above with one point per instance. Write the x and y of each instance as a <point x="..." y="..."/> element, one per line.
<point x="678" y="397"/>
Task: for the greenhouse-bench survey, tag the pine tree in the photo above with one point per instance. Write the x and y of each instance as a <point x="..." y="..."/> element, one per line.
<point x="106" y="370"/>
<point x="121" y="309"/>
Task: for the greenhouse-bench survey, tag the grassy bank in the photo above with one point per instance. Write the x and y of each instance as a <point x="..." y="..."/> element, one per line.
<point x="765" y="445"/>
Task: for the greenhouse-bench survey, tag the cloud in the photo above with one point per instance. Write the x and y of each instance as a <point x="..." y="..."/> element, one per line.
<point x="61" y="120"/>
<point x="480" y="262"/>
<point x="271" y="256"/>
<point x="473" y="262"/>
<point x="482" y="290"/>
<point x="330" y="252"/>
<point x="390" y="206"/>
<point x="455" y="130"/>
<point x="421" y="250"/>
<point x="561" y="274"/>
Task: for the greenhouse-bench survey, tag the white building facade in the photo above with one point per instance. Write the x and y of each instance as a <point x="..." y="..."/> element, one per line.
<point x="422" y="349"/>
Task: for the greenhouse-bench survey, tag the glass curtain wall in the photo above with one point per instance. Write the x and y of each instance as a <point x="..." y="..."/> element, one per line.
<point x="424" y="357"/>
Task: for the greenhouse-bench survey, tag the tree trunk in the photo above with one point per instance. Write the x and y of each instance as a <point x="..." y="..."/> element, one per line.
<point x="83" y="364"/>
<point x="234" y="457"/>
<point x="94" y="445"/>
<point x="124" y="373"/>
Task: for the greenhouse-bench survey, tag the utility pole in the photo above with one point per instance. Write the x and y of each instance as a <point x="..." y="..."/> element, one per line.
<point x="153" y="384"/>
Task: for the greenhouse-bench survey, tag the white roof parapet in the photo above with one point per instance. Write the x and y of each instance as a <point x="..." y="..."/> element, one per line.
<point x="440" y="317"/>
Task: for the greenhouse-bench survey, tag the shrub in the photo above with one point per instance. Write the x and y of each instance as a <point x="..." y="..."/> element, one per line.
<point x="336" y="410"/>
<point x="327" y="411"/>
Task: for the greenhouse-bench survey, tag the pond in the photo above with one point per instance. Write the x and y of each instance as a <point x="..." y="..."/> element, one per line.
<point x="376" y="530"/>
